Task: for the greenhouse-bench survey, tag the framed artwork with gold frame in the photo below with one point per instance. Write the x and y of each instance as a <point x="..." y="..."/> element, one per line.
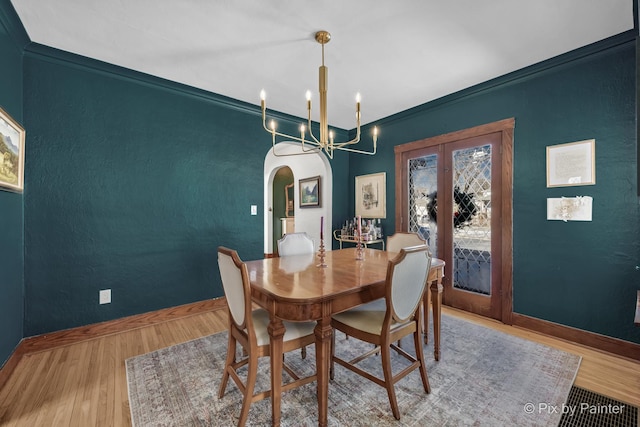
<point x="12" y="137"/>
<point x="371" y="195"/>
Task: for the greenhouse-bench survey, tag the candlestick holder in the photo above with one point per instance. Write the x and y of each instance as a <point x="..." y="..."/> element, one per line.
<point x="321" y="254"/>
<point x="359" y="251"/>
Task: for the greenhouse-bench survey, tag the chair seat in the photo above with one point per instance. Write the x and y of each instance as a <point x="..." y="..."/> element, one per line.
<point x="294" y="330"/>
<point x="367" y="317"/>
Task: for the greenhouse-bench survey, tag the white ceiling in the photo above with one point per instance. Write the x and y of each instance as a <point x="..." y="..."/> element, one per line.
<point x="397" y="54"/>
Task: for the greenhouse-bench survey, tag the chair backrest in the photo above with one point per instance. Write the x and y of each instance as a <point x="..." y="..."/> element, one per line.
<point x="235" y="281"/>
<point x="406" y="280"/>
<point x="403" y="240"/>
<point x="295" y="244"/>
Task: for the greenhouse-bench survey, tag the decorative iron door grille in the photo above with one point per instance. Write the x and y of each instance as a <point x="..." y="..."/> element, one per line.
<point x="423" y="186"/>
<point x="472" y="219"/>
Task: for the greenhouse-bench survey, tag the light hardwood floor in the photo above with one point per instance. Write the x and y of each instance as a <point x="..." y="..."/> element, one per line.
<point x="85" y="384"/>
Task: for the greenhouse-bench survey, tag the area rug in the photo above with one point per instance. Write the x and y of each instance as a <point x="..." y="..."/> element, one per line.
<point x="484" y="378"/>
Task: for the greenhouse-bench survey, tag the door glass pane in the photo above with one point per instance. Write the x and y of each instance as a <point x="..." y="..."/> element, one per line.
<point x="423" y="184"/>
<point x="472" y="219"/>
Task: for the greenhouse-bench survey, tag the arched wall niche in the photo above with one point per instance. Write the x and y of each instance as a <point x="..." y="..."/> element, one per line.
<point x="303" y="166"/>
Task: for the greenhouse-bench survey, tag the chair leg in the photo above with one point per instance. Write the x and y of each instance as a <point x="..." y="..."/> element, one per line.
<point x="231" y="358"/>
<point x="420" y="356"/>
<point x="252" y="375"/>
<point x="385" y="352"/>
<point x="303" y="352"/>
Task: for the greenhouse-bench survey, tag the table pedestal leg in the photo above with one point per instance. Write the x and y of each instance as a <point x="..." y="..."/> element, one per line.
<point x="276" y="333"/>
<point x="323" y="334"/>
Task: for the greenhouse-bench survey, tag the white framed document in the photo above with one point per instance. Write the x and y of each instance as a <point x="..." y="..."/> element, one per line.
<point x="571" y="164"/>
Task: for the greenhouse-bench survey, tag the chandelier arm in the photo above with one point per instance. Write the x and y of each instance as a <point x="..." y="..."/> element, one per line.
<point x="343" y="144"/>
<point x="304" y="150"/>
<point x="316" y="150"/>
<point x="352" y="150"/>
<point x="317" y="142"/>
<point x="284" y="135"/>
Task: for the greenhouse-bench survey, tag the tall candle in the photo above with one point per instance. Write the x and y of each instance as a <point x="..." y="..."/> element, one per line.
<point x="321" y="228"/>
<point x="359" y="227"/>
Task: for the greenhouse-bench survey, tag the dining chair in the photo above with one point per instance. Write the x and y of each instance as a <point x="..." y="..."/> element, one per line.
<point x="385" y="321"/>
<point x="249" y="328"/>
<point x="296" y="244"/>
<point x="401" y="240"/>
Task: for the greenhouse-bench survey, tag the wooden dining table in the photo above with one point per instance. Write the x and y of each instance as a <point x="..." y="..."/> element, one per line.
<point x="296" y="288"/>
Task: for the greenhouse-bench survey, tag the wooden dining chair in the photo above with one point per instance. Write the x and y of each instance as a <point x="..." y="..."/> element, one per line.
<point x="249" y="328"/>
<point x="296" y="244"/>
<point x="385" y="321"/>
<point x="401" y="240"/>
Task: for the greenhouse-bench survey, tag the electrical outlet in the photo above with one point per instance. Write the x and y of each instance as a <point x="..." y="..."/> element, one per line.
<point x="105" y="296"/>
<point x="254" y="209"/>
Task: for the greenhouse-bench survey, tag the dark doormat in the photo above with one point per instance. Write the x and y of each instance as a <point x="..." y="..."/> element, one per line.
<point x="585" y="408"/>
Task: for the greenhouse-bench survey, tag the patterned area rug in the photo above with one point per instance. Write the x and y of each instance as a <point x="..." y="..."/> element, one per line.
<point x="484" y="378"/>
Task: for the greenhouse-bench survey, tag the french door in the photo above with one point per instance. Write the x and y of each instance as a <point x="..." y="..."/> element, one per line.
<point x="455" y="191"/>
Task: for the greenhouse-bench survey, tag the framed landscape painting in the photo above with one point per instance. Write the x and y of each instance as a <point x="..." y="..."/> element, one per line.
<point x="11" y="153"/>
<point x="310" y="192"/>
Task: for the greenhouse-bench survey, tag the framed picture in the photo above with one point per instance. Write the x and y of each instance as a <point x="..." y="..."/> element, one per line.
<point x="571" y="164"/>
<point x="310" y="192"/>
<point x="11" y="153"/>
<point x="371" y="195"/>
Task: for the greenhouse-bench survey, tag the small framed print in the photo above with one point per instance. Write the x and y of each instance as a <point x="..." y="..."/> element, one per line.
<point x="370" y="195"/>
<point x="12" y="137"/>
<point x="571" y="164"/>
<point x="310" y="192"/>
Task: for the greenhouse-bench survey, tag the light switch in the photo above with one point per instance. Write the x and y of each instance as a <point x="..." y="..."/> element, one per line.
<point x="254" y="210"/>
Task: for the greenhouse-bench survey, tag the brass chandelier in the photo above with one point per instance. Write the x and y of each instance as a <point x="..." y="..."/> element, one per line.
<point x="326" y="141"/>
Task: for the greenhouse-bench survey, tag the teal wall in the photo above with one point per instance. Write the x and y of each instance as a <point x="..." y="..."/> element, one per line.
<point x="134" y="182"/>
<point x="11" y="204"/>
<point x="580" y="274"/>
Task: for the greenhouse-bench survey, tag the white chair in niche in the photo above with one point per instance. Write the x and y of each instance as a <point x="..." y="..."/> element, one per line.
<point x="383" y="322"/>
<point x="403" y="240"/>
<point x="249" y="328"/>
<point x="296" y="244"/>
